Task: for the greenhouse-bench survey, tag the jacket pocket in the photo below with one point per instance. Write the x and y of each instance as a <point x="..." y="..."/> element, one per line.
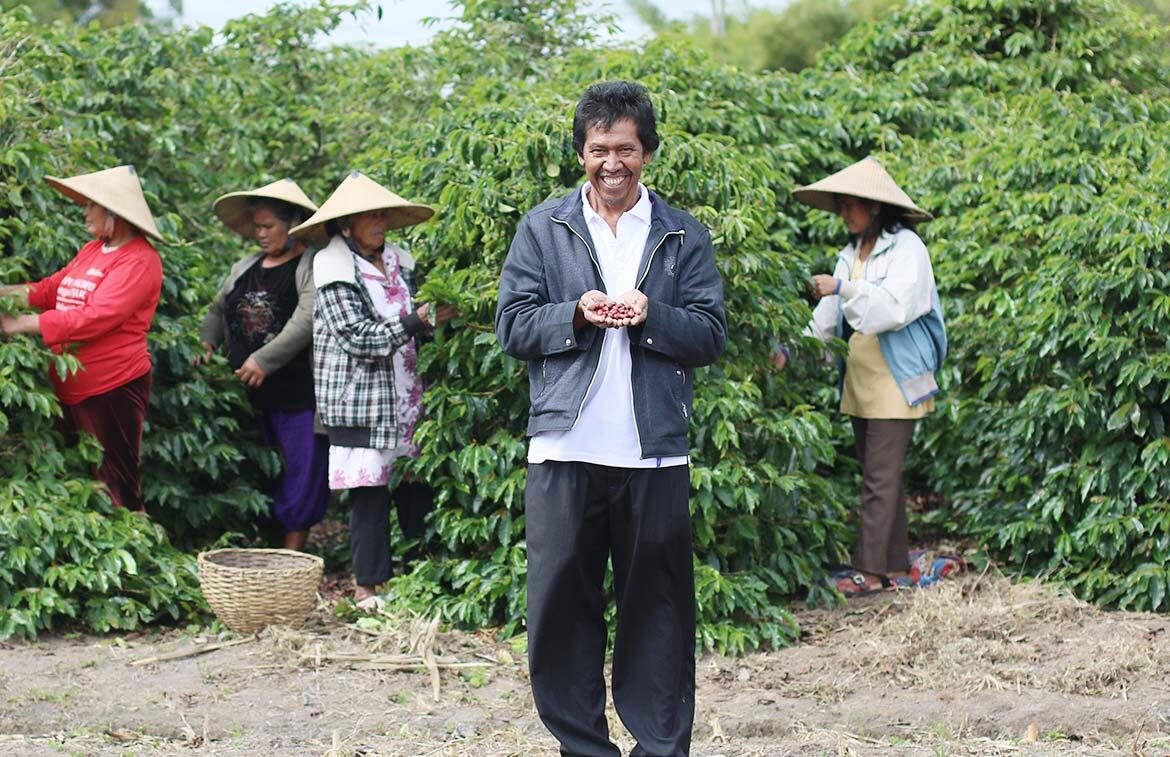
<point x="669" y="394"/>
<point x="353" y="378"/>
<point x="678" y="384"/>
<point x="367" y="398"/>
<point x="543" y="379"/>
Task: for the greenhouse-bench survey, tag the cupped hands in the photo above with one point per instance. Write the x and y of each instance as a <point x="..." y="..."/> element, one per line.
<point x="627" y="310"/>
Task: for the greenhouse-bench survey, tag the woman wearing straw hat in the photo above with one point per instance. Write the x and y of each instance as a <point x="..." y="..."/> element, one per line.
<point x="102" y="303"/>
<point x="882" y="299"/>
<point x="365" y="365"/>
<point x="263" y="315"/>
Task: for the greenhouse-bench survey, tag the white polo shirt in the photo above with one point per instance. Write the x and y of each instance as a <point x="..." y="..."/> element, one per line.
<point x="606" y="432"/>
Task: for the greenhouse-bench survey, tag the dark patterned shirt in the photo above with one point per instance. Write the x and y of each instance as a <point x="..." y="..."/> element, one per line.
<point x="257" y="310"/>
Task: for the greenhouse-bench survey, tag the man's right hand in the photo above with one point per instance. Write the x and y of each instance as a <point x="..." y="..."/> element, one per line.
<point x="587" y="309"/>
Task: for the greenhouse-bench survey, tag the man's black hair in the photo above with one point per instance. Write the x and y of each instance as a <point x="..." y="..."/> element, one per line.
<point x="606" y="102"/>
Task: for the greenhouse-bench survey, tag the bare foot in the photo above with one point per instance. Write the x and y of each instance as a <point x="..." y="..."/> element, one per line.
<point x="366" y="598"/>
<point x="364" y="592"/>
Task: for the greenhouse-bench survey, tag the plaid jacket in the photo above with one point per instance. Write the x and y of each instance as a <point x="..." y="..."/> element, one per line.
<point x="353" y="350"/>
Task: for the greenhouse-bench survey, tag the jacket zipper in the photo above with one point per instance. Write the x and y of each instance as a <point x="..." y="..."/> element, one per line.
<point x="642" y="278"/>
<point x="596" y="365"/>
<point x="568" y="226"/>
<point x="650" y="261"/>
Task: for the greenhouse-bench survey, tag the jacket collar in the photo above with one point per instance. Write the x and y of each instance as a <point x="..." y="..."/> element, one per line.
<point x="336" y="262"/>
<point x="663" y="222"/>
<point x="884" y="243"/>
<point x="662" y="216"/>
<point x="641" y="209"/>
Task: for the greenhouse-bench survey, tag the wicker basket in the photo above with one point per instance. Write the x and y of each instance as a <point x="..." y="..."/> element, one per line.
<point x="252" y="588"/>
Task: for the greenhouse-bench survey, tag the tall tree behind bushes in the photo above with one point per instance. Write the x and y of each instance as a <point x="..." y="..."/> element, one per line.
<point x="754" y="37"/>
<point x="762" y="36"/>
<point x="102" y="12"/>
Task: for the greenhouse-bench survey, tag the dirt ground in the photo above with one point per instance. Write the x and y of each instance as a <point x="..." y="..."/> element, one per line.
<point x="979" y="665"/>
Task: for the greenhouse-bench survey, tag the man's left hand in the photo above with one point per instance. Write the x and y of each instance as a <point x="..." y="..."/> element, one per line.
<point x="251" y="373"/>
<point x="639" y="303"/>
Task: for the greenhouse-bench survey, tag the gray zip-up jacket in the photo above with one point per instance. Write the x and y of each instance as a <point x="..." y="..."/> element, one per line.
<point x="297" y="333"/>
<point x="552" y="263"/>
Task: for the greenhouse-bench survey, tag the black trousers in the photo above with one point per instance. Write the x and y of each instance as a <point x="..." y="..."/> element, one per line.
<point x="578" y="515"/>
<point x="369" y="525"/>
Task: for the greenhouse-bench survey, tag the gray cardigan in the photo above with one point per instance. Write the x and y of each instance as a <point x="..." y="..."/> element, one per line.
<point x="296" y="335"/>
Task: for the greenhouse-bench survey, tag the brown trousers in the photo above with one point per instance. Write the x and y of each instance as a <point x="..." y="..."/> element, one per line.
<point x="883" y="544"/>
<point x="116" y="419"/>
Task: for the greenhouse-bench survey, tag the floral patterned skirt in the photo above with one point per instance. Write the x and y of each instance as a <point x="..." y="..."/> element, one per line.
<point x="352" y="467"/>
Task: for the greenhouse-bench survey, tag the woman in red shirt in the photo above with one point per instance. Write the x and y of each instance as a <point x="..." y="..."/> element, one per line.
<point x="99" y="307"/>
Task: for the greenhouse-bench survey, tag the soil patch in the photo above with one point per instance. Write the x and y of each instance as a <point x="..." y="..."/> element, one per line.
<point x="975" y="666"/>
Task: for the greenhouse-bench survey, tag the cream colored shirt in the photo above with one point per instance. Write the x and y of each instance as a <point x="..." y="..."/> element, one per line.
<point x="870" y="389"/>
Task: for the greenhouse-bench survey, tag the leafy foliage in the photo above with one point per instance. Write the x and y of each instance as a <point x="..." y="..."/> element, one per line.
<point x="1036" y="129"/>
<point x="760" y="38"/>
<point x="68" y="552"/>
<point x="103" y="12"/>
<point x="759" y="494"/>
<point x="1042" y="142"/>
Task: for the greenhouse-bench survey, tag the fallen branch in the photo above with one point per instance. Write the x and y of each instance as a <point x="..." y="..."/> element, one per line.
<point x="204" y="649"/>
<point x="423" y="664"/>
<point x="388" y="659"/>
<point x="429" y="655"/>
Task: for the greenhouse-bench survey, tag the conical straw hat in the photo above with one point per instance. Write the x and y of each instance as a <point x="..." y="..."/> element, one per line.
<point x="865" y="179"/>
<point x="115" y="189"/>
<point x="359" y="193"/>
<point x="234" y="208"/>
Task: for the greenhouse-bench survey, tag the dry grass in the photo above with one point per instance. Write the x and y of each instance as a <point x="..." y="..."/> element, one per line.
<point x="987" y="632"/>
<point x="831" y="742"/>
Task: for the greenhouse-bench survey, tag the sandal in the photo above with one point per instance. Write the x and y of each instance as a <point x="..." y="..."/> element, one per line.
<point x="855" y="584"/>
<point x="927" y="567"/>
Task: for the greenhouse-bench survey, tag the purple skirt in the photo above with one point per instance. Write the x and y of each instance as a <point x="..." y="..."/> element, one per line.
<point x="300" y="495"/>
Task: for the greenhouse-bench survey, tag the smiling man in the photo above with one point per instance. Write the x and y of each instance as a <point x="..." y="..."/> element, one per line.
<point x="612" y="297"/>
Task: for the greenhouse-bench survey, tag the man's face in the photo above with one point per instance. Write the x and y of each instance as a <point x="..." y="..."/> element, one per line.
<point x="613" y="160"/>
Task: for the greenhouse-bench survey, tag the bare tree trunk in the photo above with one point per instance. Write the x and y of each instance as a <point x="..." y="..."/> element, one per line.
<point x="718" y="17"/>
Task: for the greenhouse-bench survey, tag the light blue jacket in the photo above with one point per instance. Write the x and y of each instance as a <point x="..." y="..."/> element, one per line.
<point x="897" y="301"/>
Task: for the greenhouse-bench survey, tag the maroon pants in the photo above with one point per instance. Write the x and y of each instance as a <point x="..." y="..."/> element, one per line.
<point x="116" y="419"/>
